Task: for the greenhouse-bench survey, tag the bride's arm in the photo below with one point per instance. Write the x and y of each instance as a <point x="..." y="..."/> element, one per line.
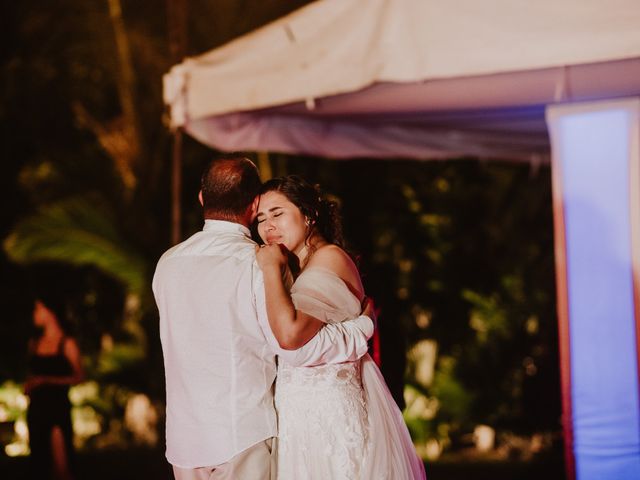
<point x="334" y="343"/>
<point x="292" y="328"/>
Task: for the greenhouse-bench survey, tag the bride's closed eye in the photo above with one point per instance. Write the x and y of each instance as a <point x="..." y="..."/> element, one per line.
<point x="262" y="219"/>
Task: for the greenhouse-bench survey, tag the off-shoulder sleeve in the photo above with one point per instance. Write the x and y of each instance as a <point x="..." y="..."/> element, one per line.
<point x="325" y="296"/>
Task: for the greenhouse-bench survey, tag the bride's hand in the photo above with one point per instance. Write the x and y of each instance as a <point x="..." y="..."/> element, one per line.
<point x="273" y="255"/>
<point x="369" y="310"/>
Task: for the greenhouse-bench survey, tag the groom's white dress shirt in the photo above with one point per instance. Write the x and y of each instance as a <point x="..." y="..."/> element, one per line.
<point x="219" y="352"/>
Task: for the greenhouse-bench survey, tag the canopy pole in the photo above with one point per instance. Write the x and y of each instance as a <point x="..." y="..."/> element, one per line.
<point x="177" y="31"/>
<point x="595" y="158"/>
<point x="176" y="187"/>
<point x="264" y="166"/>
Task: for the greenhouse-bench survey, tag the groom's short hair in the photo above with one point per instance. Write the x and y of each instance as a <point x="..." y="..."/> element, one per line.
<point x="229" y="185"/>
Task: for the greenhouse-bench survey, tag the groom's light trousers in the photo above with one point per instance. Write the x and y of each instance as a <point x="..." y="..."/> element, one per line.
<point x="255" y="463"/>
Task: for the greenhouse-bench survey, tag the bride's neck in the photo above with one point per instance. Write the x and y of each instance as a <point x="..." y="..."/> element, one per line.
<point x="309" y="248"/>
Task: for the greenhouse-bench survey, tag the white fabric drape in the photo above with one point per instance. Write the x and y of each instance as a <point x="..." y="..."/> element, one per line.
<point x="390" y="453"/>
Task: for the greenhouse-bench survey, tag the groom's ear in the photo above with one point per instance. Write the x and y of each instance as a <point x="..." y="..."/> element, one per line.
<point x="200" y="198"/>
<point x="254" y="207"/>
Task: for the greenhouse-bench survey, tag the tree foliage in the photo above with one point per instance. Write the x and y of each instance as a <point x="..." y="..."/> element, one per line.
<point x="87" y="182"/>
<point x="77" y="232"/>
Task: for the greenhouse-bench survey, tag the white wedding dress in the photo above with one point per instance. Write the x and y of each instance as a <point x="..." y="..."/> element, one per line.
<point x="338" y="422"/>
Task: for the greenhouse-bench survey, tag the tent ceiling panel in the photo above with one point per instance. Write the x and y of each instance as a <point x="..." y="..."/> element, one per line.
<point x="408" y="78"/>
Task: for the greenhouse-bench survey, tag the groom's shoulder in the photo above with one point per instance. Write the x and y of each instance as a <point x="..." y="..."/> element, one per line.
<point x="203" y="244"/>
<point x="179" y="248"/>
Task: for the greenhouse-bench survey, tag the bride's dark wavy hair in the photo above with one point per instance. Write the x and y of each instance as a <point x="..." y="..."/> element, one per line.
<point x="322" y="212"/>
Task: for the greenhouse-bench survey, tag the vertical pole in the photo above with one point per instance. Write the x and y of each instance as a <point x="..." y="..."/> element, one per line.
<point x="177" y="27"/>
<point x="634" y="221"/>
<point x="562" y="294"/>
<point x="176" y="187"/>
<point x="596" y="162"/>
<point x="264" y="166"/>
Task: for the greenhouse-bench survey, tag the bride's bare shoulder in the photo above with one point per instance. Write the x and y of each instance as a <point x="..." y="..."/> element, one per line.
<point x="335" y="259"/>
<point x="332" y="257"/>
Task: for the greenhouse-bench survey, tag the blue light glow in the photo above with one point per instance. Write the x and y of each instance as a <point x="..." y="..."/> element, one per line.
<point x="592" y="149"/>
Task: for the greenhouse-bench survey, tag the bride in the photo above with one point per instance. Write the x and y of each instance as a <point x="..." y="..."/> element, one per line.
<point x="334" y="421"/>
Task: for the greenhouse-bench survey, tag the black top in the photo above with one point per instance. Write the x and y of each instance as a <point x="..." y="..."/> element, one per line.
<point x="54" y="365"/>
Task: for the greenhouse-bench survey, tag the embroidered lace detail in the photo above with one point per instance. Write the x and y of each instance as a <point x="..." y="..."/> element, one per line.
<point x="322" y="422"/>
<point x="326" y="432"/>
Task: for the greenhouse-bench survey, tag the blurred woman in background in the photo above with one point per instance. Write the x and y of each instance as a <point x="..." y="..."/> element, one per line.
<point x="54" y="365"/>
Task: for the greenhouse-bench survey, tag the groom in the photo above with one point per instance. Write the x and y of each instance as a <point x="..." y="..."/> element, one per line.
<point x="219" y="352"/>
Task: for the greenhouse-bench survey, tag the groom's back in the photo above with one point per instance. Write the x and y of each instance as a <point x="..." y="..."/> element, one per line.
<point x="218" y="367"/>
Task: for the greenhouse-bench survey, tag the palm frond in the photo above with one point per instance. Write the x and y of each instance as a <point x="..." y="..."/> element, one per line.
<point x="79" y="231"/>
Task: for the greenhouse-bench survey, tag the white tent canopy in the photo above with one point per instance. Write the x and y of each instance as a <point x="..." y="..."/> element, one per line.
<point x="408" y="78"/>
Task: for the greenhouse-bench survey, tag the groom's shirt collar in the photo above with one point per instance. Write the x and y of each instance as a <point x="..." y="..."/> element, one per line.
<point x="226" y="227"/>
